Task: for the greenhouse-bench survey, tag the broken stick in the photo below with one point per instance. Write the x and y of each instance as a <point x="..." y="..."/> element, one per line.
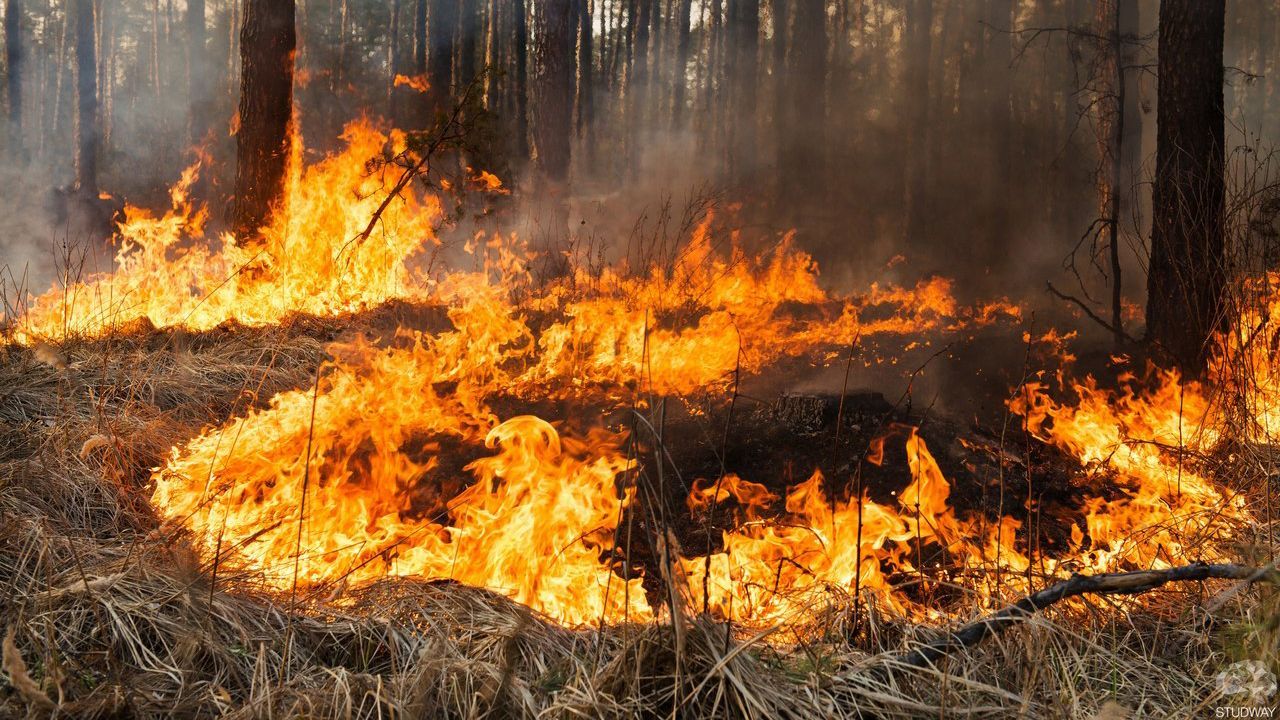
<point x="1128" y="583"/>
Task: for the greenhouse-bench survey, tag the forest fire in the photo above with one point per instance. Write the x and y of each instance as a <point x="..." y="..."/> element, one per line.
<point x="318" y="488"/>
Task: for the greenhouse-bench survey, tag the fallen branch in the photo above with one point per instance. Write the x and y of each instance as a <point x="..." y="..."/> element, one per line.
<point x="1129" y="583"/>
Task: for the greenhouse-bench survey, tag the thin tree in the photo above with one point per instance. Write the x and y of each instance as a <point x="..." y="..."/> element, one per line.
<point x="744" y="61"/>
<point x="442" y="31"/>
<point x="521" y="31"/>
<point x="13" y="53"/>
<point x="197" y="72"/>
<point x="684" y="17"/>
<point x="1186" y="279"/>
<point x="268" y="40"/>
<point x="918" y="45"/>
<point x="87" y="132"/>
<point x="805" y="142"/>
<point x="556" y="24"/>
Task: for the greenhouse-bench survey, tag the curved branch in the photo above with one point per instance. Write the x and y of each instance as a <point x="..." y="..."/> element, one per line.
<point x="1129" y="583"/>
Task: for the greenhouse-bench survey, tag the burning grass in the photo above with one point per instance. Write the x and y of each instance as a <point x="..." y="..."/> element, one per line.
<point x="111" y="612"/>
<point x="468" y="501"/>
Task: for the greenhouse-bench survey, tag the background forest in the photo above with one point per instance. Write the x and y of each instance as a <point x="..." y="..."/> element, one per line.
<point x="876" y="129"/>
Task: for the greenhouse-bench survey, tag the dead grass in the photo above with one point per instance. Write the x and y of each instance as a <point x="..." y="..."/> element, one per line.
<point x="106" y="612"/>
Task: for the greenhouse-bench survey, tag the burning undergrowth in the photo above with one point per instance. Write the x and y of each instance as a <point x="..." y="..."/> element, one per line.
<point x="582" y="446"/>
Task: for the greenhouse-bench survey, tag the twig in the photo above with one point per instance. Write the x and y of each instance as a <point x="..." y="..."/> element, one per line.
<point x="1119" y="332"/>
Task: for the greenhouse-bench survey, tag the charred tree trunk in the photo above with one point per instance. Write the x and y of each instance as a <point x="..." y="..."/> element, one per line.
<point x="521" y="130"/>
<point x="553" y="109"/>
<point x="806" y="140"/>
<point x="442" y="31"/>
<point x="267" y="43"/>
<point x="586" y="79"/>
<point x="420" y="37"/>
<point x="638" y="83"/>
<point x="1186" y="279"/>
<point x="744" y="51"/>
<point x="13" y="55"/>
<point x="782" y="95"/>
<point x="919" y="42"/>
<point x="88" y="137"/>
<point x="683" y="22"/>
<point x="197" y="72"/>
<point x="468" y="30"/>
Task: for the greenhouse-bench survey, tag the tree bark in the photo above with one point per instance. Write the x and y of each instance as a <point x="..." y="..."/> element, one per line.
<point x="555" y="24"/>
<point x="1186" y="279"/>
<point x="744" y="52"/>
<point x="13" y="52"/>
<point x="805" y="142"/>
<point x="268" y="40"/>
<point x="521" y="130"/>
<point x="88" y="135"/>
<point x="469" y="29"/>
<point x="197" y="72"/>
<point x="919" y="43"/>
<point x="442" y="31"/>
<point x="683" y="23"/>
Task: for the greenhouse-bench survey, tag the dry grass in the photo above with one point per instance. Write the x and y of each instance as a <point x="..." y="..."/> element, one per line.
<point x="106" y="612"/>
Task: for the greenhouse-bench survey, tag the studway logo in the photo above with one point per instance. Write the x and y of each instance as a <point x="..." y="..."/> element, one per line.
<point x="1247" y="681"/>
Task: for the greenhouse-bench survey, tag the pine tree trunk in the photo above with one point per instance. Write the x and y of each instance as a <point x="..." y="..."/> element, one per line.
<point x="268" y="40"/>
<point x="1186" y="278"/>
<point x="683" y="22"/>
<point x="443" y="29"/>
<point x="420" y="38"/>
<point x="469" y="29"/>
<point x="197" y="72"/>
<point x="13" y="50"/>
<point x="521" y="130"/>
<point x="806" y="142"/>
<point x="744" y="54"/>
<point x="919" y="43"/>
<point x="555" y="24"/>
<point x="586" y="80"/>
<point x="88" y="136"/>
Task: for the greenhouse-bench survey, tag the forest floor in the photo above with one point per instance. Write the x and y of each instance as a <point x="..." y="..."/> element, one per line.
<point x="107" y="611"/>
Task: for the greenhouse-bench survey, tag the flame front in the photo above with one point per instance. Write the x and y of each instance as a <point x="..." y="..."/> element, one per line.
<point x="357" y="477"/>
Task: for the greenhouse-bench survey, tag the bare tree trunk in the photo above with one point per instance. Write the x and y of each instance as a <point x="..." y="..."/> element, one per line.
<point x="521" y="131"/>
<point x="683" y="21"/>
<point x="13" y="54"/>
<point x="553" y="118"/>
<point x="586" y="81"/>
<point x="1186" y="280"/>
<point x="919" y="43"/>
<point x="469" y="29"/>
<point x="806" y="142"/>
<point x="197" y="72"/>
<point x="88" y="136"/>
<point x="443" y="29"/>
<point x="268" y="40"/>
<point x="782" y="95"/>
<point x="638" y="84"/>
<point x="420" y="37"/>
<point x="493" y="57"/>
<point x="744" y="52"/>
<point x="393" y="58"/>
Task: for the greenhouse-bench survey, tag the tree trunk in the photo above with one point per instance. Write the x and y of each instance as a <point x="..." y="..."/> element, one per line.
<point x="586" y="81"/>
<point x="638" y="84"/>
<point x="88" y="136"/>
<point x="443" y="29"/>
<point x="1186" y="279"/>
<point x="683" y="22"/>
<point x="919" y="43"/>
<point x="744" y="52"/>
<point x="420" y="38"/>
<point x="805" y="143"/>
<point x="521" y="130"/>
<point x="782" y="95"/>
<point x="197" y="73"/>
<point x="469" y="29"/>
<point x="13" y="53"/>
<point x="555" y="25"/>
<point x="267" y="43"/>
